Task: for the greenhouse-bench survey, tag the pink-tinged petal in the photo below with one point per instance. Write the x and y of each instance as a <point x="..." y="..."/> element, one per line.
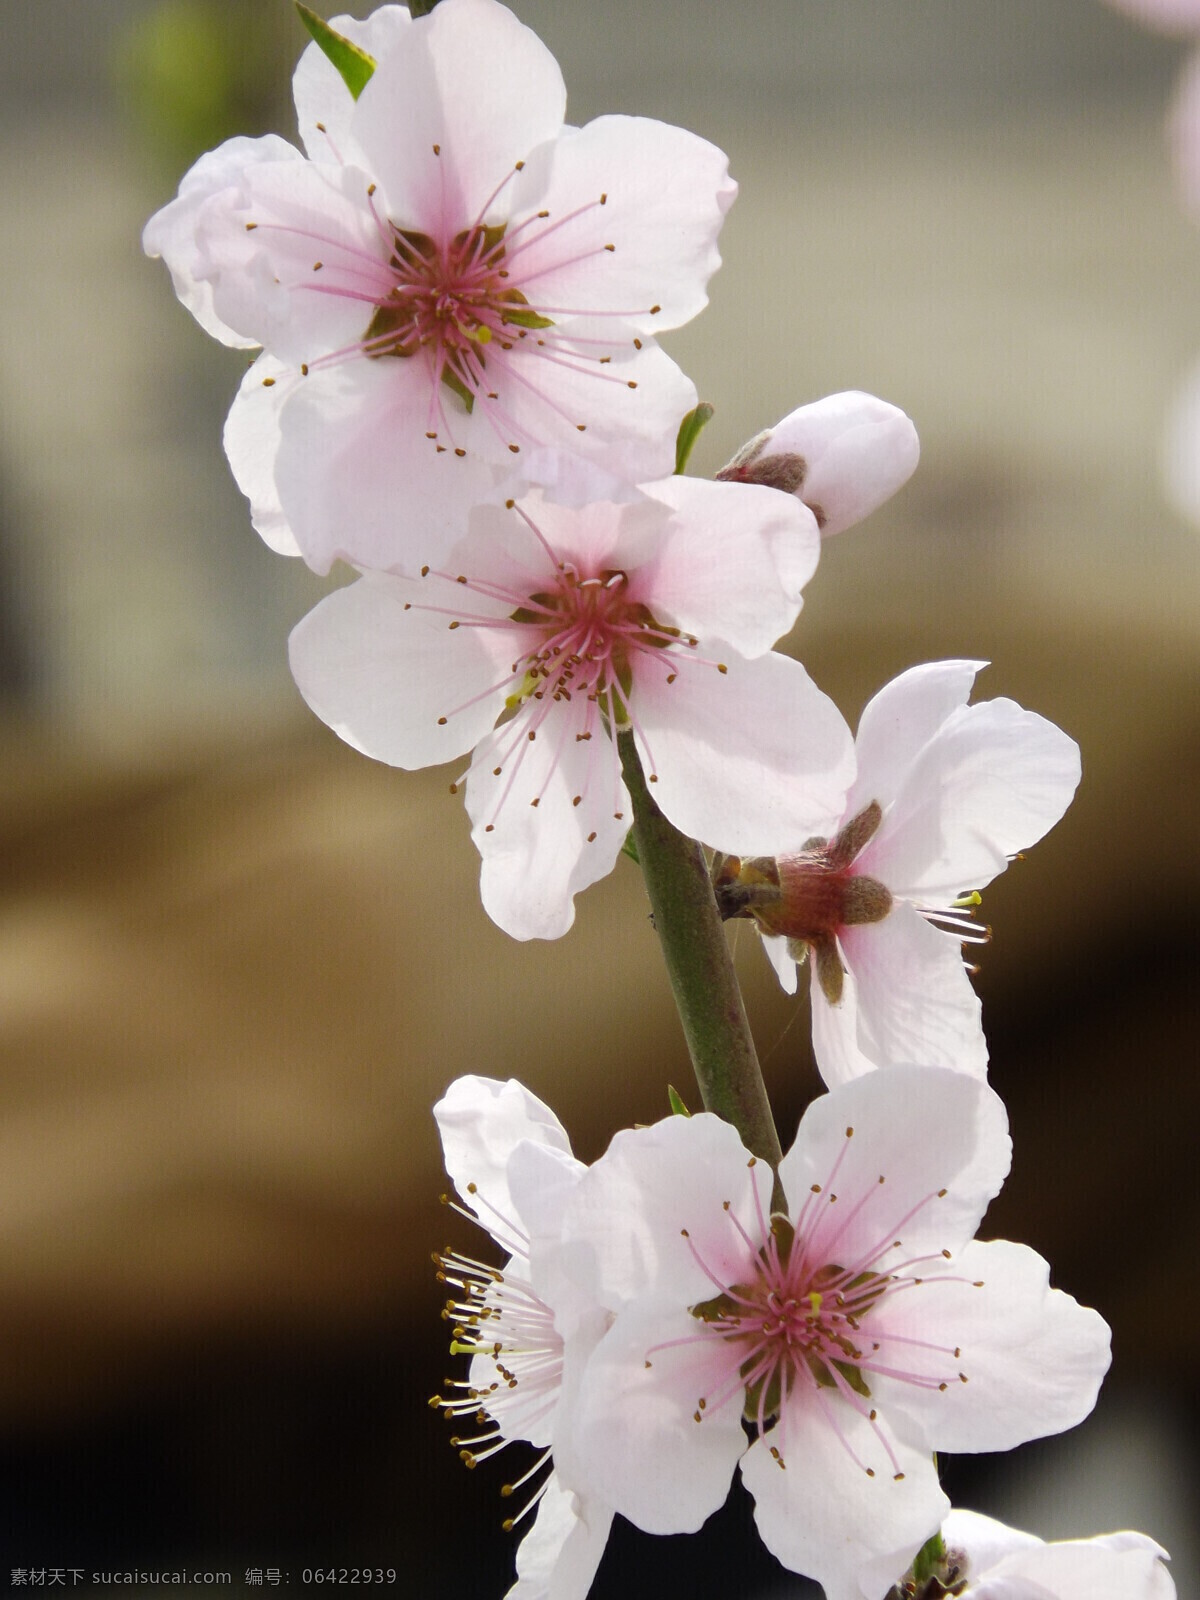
<point x="626" y="1219"/>
<point x="984" y="1540"/>
<point x="620" y="414"/>
<point x="541" y="1180"/>
<point x="383" y="677"/>
<point x="836" y="1046"/>
<point x="459" y="99"/>
<point x="990" y="783"/>
<point x="754" y="759"/>
<point x="914" y="1000"/>
<point x="1183" y="127"/>
<point x="784" y="963"/>
<point x="295" y="257"/>
<point x="537" y="858"/>
<point x="1171" y="16"/>
<point x="318" y="91"/>
<point x="922" y="1131"/>
<point x="359" y="480"/>
<point x="1081" y="1570"/>
<point x="634" y="207"/>
<point x="734" y="563"/>
<point x="822" y="1515"/>
<point x="1033" y="1357"/>
<point x="652" y="1453"/>
<point x="481" y="1122"/>
<point x="251" y="441"/>
<point x="900" y="721"/>
<point x="858" y="451"/>
<point x="171" y="232"/>
<point x="1181" y="448"/>
<point x="559" y="1556"/>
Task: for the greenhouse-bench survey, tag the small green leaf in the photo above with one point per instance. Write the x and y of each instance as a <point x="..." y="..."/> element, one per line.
<point x="929" y="1559"/>
<point x="629" y="848"/>
<point x="354" y="65"/>
<point x="678" y="1109"/>
<point x="690" y="430"/>
<point x="421" y="8"/>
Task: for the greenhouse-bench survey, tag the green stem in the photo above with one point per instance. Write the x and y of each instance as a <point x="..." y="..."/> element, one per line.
<point x="700" y="968"/>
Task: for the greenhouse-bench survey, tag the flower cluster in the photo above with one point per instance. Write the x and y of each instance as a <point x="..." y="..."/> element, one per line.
<point x="456" y="299"/>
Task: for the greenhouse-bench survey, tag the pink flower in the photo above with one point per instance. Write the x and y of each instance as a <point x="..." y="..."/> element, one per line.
<point x="946" y="794"/>
<point x="656" y="616"/>
<point x="843" y="456"/>
<point x="527" y="1328"/>
<point x="856" y="1332"/>
<point x="453" y="291"/>
<point x="1001" y="1563"/>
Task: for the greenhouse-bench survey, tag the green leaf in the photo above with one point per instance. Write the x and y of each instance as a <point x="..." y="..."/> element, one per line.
<point x="629" y="848"/>
<point x="690" y="430"/>
<point x="421" y="8"/>
<point x="929" y="1559"/>
<point x="354" y="65"/>
<point x="678" y="1109"/>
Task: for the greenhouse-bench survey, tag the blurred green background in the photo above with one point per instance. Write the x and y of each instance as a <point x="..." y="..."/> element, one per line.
<point x="239" y="962"/>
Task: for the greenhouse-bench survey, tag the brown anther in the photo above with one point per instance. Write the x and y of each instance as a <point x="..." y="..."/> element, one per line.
<point x="317" y="265"/>
<point x="459" y="451"/>
<point x="268" y="383"/>
<point x="304" y="369"/>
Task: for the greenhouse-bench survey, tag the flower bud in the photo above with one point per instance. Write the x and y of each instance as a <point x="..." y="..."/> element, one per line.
<point x="842" y="456"/>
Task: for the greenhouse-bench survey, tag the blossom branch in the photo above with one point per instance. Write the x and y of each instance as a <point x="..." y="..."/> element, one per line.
<point x="700" y="968"/>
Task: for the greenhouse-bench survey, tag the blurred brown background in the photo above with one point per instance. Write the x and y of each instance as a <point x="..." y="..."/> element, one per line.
<point x="238" y="962"/>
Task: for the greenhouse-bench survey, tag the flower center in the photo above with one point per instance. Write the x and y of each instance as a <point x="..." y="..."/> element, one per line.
<point x="795" y="1321"/>
<point x="590" y="632"/>
<point x="803" y="1326"/>
<point x="452" y="303"/>
<point x="809" y="897"/>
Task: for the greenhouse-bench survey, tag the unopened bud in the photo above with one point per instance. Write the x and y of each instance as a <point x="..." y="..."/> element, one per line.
<point x="842" y="456"/>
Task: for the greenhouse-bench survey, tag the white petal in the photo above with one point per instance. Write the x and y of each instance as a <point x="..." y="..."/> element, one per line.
<point x="359" y="480"/>
<point x="383" y="677"/>
<point x="558" y="1558"/>
<point x="472" y="81"/>
<point x="776" y="947"/>
<point x="859" y="450"/>
<point x="171" y="232"/>
<point x="666" y="194"/>
<point x="984" y="1540"/>
<point x="648" y="1455"/>
<point x="621" y="413"/>
<point x="914" y="1000"/>
<point x="990" y="783"/>
<point x="251" y="441"/>
<point x="922" y="1131"/>
<point x="1172" y="16"/>
<point x="733" y="563"/>
<point x="541" y="1180"/>
<point x="1033" y="1357"/>
<point x="626" y="1219"/>
<point x="295" y="257"/>
<point x="821" y="1514"/>
<point x="1078" y="1571"/>
<point x="900" y="720"/>
<point x="537" y="858"/>
<point x="836" y="1042"/>
<point x="318" y="91"/>
<point x="481" y="1122"/>
<point x="755" y="759"/>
